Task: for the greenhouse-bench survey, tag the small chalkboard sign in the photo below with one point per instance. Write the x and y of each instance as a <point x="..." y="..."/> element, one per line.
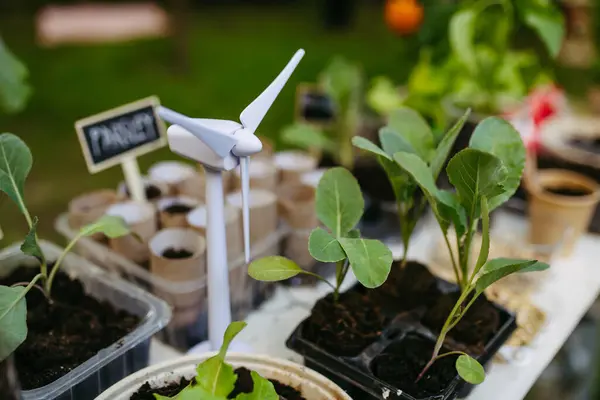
<point x="126" y="132"/>
<point x="314" y="106"/>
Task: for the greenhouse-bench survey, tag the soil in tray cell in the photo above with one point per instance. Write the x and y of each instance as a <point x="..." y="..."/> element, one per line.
<point x="152" y="192"/>
<point x="243" y="384"/>
<point x="568" y="191"/>
<point x="178" y="209"/>
<point x="401" y="363"/>
<point x="406" y="288"/>
<point x="588" y="144"/>
<point x="173" y="253"/>
<point x="474" y="330"/>
<point x="347" y="327"/>
<point x="66" y="333"/>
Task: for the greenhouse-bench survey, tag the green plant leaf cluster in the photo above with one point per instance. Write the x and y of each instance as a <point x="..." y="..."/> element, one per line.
<point x="14" y="90"/>
<point x="484" y="176"/>
<point x="407" y="133"/>
<point x="215" y="378"/>
<point x="15" y="164"/>
<point x="339" y="207"/>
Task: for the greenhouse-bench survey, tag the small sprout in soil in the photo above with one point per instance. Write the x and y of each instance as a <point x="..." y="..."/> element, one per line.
<point x="340" y="206"/>
<point x="342" y="81"/>
<point x="215" y="379"/>
<point x="407" y="131"/>
<point x="484" y="176"/>
<point x="15" y="164"/>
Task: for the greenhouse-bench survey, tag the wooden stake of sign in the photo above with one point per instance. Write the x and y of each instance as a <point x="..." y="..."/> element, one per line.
<point x="118" y="136"/>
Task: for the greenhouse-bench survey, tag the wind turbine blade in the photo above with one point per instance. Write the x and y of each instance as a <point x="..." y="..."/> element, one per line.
<point x="219" y="142"/>
<point x="256" y="111"/>
<point x="245" y="178"/>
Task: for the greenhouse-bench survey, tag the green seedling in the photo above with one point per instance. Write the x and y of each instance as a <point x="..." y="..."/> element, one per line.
<point x="15" y="165"/>
<point x="216" y="379"/>
<point x="342" y="81"/>
<point x="340" y="206"/>
<point x="484" y="176"/>
<point x="407" y="131"/>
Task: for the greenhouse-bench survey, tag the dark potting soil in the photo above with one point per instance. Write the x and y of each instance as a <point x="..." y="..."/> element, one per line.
<point x="588" y="144"/>
<point x="401" y="363"/>
<point x="344" y="328"/>
<point x="243" y="384"/>
<point x="474" y="330"/>
<point x="570" y="192"/>
<point x="406" y="288"/>
<point x="66" y="333"/>
<point x="175" y="254"/>
<point x="178" y="209"/>
<point x="152" y="192"/>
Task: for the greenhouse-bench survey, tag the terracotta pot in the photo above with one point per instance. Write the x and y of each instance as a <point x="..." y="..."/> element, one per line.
<point x="175" y="219"/>
<point x="187" y="269"/>
<point x="141" y="219"/>
<point x="557" y="217"/>
<point x="173" y="174"/>
<point x="312" y="385"/>
<point x="292" y="164"/>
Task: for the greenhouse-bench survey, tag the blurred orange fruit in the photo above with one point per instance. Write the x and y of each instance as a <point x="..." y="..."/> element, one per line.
<point x="403" y="16"/>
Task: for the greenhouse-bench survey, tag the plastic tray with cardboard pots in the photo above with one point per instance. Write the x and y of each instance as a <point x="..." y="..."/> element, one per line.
<point x="113" y="363"/>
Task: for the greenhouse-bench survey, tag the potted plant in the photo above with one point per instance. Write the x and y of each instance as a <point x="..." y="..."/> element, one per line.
<point x="428" y="338"/>
<point x="72" y="313"/>
<point x="224" y="376"/>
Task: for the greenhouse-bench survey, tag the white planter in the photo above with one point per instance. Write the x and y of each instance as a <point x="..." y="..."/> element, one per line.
<point x="312" y="385"/>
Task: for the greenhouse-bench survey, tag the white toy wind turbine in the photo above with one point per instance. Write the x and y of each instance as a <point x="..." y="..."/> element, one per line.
<point x="222" y="145"/>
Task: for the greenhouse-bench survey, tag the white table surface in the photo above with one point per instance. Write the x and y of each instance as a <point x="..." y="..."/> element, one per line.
<point x="566" y="294"/>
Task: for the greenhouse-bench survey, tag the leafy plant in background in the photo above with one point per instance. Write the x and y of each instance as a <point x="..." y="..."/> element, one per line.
<point x="487" y="71"/>
<point x="342" y="81"/>
<point x="14" y="90"/>
<point x="216" y="379"/>
<point x="15" y="164"/>
<point x="339" y="206"/>
<point x="484" y="176"/>
<point x="407" y="131"/>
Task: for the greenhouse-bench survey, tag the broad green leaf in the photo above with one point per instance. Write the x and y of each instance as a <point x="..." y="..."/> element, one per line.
<point x="413" y="128"/>
<point x="451" y="210"/>
<point x="404" y="187"/>
<point x="111" y="226"/>
<point x="14" y="90"/>
<point x="191" y="393"/>
<point x="484" y="251"/>
<point x="443" y="149"/>
<point x="392" y="142"/>
<point x="547" y="21"/>
<point x="498" y="137"/>
<point x="419" y="171"/>
<point x="498" y="268"/>
<point x="341" y="78"/>
<point x="370" y="260"/>
<point x="13" y="323"/>
<point x="462" y="32"/>
<point x="354" y="234"/>
<point x="475" y="174"/>
<point x="339" y="201"/>
<point x="324" y="247"/>
<point x="30" y="245"/>
<point x="307" y="137"/>
<point x="470" y="370"/>
<point x="214" y="375"/>
<point x="15" y="164"/>
<point x="263" y="389"/>
<point x="366" y="145"/>
<point x="384" y="96"/>
<point x="273" y="269"/>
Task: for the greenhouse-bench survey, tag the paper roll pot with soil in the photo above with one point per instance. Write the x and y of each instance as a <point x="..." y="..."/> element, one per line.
<point x="224" y="376"/>
<point x="173" y="211"/>
<point x="140" y="217"/>
<point x="45" y="285"/>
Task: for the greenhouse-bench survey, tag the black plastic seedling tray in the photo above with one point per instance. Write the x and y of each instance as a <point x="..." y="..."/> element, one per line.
<point x="355" y="374"/>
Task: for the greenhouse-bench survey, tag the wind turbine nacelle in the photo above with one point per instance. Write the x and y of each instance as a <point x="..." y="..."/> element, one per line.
<point x="182" y="142"/>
